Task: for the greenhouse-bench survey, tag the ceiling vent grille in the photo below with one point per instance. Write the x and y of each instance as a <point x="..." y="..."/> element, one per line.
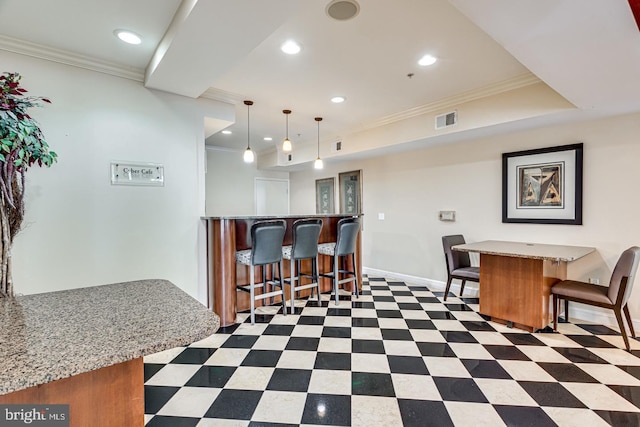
<point x="447" y="119"/>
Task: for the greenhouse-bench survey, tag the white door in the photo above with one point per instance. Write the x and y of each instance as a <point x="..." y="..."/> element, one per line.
<point x="272" y="196"/>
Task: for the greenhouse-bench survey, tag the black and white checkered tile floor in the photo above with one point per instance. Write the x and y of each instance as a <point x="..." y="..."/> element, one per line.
<point x="396" y="356"/>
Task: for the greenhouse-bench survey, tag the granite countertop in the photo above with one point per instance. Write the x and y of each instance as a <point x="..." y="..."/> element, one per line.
<point x="281" y="216"/>
<point x="526" y="250"/>
<point x="46" y="337"/>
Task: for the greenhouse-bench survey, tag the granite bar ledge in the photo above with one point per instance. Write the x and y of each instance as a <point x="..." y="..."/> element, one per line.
<point x="51" y="336"/>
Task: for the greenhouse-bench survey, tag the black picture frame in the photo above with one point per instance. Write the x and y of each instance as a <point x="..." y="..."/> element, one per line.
<point x="543" y="186"/>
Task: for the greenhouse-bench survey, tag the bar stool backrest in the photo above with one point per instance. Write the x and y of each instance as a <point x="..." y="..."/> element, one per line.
<point x="306" y="233"/>
<point x="266" y="238"/>
<point x="625" y="267"/>
<point x="347" y="236"/>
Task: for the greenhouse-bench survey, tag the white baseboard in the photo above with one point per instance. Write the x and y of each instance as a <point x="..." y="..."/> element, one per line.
<point x="579" y="312"/>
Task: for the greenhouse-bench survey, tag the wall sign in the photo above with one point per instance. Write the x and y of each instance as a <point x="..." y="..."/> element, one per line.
<point x="147" y="174"/>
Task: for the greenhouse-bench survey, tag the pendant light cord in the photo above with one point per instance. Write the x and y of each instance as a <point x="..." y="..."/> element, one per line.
<point x="248" y="139"/>
<point x="318" y="119"/>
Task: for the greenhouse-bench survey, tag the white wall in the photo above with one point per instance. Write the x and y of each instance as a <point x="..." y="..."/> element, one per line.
<point x="410" y="188"/>
<point x="79" y="229"/>
<point x="230" y="182"/>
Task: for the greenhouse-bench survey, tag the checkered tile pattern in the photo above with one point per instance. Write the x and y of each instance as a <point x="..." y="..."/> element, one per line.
<point x="398" y="355"/>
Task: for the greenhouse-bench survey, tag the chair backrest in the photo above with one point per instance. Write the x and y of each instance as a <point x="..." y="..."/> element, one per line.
<point x="455" y="259"/>
<point x="266" y="241"/>
<point x="626" y="266"/>
<point x="305" y="238"/>
<point x="347" y="236"/>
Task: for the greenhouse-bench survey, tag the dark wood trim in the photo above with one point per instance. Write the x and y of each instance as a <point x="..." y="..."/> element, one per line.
<point x="635" y="9"/>
<point x="223" y="269"/>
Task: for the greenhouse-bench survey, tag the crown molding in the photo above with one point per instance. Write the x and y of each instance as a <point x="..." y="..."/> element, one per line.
<point x="222" y="96"/>
<point x="209" y="147"/>
<point x="451" y="102"/>
<point x="60" y="56"/>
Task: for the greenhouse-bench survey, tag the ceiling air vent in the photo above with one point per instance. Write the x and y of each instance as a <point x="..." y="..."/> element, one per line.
<point x="446" y="120"/>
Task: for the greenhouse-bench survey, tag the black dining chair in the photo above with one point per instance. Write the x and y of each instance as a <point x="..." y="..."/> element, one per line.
<point x="458" y="264"/>
<point x="614" y="296"/>
<point x="305" y="246"/>
<point x="345" y="246"/>
<point x="266" y="249"/>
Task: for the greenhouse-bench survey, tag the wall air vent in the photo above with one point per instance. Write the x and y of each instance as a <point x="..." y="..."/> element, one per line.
<point x="446" y="120"/>
<point x="336" y="146"/>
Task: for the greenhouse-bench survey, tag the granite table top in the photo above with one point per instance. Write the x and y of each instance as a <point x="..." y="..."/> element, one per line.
<point x="526" y="250"/>
<point x="50" y="336"/>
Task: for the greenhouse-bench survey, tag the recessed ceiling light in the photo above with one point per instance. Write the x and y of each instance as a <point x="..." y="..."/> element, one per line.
<point x="128" y="36"/>
<point x="338" y="99"/>
<point x="291" y="47"/>
<point x="427" y="60"/>
<point x="268" y="138"/>
<point x="226" y="132"/>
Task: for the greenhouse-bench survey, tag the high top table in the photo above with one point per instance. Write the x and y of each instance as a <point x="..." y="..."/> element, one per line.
<point x="516" y="279"/>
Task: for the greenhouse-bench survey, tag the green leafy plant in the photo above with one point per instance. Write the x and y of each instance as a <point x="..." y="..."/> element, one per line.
<point x="22" y="145"/>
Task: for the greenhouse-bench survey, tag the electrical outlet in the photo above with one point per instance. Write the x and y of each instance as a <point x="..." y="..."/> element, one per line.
<point x="381" y="216"/>
<point x="594" y="280"/>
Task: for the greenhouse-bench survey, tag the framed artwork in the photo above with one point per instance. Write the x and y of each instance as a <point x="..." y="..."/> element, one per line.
<point x="325" y="190"/>
<point x="350" y="192"/>
<point x="543" y="186"/>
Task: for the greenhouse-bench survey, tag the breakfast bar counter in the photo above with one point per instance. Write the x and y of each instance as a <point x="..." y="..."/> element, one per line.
<point x="228" y="234"/>
<point x="84" y="347"/>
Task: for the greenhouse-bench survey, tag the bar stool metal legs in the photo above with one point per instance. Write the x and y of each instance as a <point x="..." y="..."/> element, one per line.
<point x="266" y="249"/>
<point x="305" y="246"/>
<point x="345" y="246"/>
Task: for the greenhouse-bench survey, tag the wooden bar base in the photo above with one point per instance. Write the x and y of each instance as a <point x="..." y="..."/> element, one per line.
<point x="106" y="397"/>
<point x="517" y="289"/>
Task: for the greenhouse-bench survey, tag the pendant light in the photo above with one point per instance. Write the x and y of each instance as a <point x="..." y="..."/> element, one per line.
<point x="286" y="144"/>
<point x="318" y="163"/>
<point x="248" y="154"/>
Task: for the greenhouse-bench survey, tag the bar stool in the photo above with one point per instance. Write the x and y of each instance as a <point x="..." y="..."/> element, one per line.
<point x="345" y="245"/>
<point x="266" y="249"/>
<point x="305" y="246"/>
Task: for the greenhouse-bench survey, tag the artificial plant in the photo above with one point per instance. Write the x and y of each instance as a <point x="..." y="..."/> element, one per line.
<point x="22" y="145"/>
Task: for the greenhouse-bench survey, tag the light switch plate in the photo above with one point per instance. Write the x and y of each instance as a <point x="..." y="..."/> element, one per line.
<point x="381" y="216"/>
<point x="447" y="215"/>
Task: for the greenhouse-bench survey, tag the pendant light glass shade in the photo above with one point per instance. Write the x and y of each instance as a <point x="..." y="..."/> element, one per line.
<point x="248" y="156"/>
<point x="286" y="144"/>
<point x="248" y="153"/>
<point x="318" y="164"/>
